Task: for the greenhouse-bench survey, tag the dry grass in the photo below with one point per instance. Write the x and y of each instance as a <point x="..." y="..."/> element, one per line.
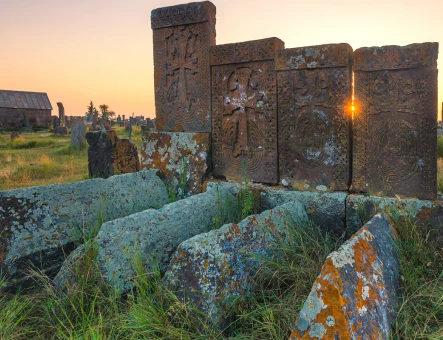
<point x="40" y="158"/>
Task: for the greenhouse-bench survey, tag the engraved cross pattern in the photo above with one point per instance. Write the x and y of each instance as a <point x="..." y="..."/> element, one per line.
<point x="182" y="51"/>
<point x="238" y="103"/>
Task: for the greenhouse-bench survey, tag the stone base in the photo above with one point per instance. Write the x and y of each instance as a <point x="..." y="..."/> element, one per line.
<point x="182" y="158"/>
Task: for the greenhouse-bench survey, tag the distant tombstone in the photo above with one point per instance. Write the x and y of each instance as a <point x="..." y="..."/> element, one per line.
<point x="61" y="130"/>
<point x="395" y="120"/>
<point x="55" y="122"/>
<point x="315" y="116"/>
<point x="78" y="133"/>
<point x="119" y="119"/>
<point x="15" y="135"/>
<point x="61" y="114"/>
<point x="244" y="109"/>
<point x="182" y="36"/>
<point x="150" y="124"/>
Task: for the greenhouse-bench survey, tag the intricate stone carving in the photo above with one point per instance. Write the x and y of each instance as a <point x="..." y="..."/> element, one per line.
<point x="182" y="38"/>
<point x="396" y="120"/>
<point x="314" y="104"/>
<point x="244" y="108"/>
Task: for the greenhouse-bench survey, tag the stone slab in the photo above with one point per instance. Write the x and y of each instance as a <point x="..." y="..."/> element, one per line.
<point x="354" y="297"/>
<point x="152" y="234"/>
<point x="182" y="158"/>
<point x="212" y="269"/>
<point x="78" y="133"/>
<point x="39" y="225"/>
<point x="126" y="156"/>
<point x="244" y="109"/>
<point x="327" y="210"/>
<point x="182" y="36"/>
<point x="395" y="123"/>
<point x="427" y="214"/>
<point x="314" y="116"/>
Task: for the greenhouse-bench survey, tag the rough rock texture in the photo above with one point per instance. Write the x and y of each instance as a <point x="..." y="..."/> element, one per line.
<point x="38" y="225"/>
<point x="355" y="294"/>
<point x="125" y="156"/>
<point x="100" y="153"/>
<point x="182" y="36"/>
<point x="428" y="214"/>
<point x="108" y="155"/>
<point x="78" y="133"/>
<point x="327" y="210"/>
<point x="60" y="130"/>
<point x="244" y="110"/>
<point x="183" y="158"/>
<point x="211" y="269"/>
<point x="314" y="116"/>
<point x="152" y="234"/>
<point x="395" y="124"/>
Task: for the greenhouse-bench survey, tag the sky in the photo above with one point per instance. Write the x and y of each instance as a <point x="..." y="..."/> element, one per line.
<point x="101" y="50"/>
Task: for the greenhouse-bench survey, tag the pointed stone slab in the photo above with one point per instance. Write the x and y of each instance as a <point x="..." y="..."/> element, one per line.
<point x="395" y="123"/>
<point x="182" y="36"/>
<point x="314" y="113"/>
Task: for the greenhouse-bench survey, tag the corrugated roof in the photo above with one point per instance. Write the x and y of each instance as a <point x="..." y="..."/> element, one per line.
<point x="24" y="100"/>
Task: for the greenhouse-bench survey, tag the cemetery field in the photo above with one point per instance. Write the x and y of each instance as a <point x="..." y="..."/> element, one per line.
<point x="41" y="158"/>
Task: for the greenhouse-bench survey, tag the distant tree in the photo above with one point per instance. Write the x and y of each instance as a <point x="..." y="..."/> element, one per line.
<point x="111" y="114"/>
<point x="91" y="109"/>
<point x="104" y="110"/>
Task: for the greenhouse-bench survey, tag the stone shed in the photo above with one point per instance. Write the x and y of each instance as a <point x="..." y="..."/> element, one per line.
<point x="15" y="105"/>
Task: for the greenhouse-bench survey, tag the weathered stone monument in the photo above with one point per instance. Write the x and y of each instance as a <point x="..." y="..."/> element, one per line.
<point x="396" y="120"/>
<point x="61" y="130"/>
<point x="61" y="114"/>
<point x="314" y="112"/>
<point x="95" y="121"/>
<point x="78" y="133"/>
<point x="108" y="155"/>
<point x="244" y="109"/>
<point x="26" y="125"/>
<point x="183" y="35"/>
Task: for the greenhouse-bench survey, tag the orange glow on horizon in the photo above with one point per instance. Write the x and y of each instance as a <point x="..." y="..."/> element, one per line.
<point x="101" y="50"/>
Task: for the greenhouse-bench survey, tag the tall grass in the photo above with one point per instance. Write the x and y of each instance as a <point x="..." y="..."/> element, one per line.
<point x="420" y="311"/>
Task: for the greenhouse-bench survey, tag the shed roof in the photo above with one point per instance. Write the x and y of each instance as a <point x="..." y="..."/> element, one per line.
<point x="24" y="100"/>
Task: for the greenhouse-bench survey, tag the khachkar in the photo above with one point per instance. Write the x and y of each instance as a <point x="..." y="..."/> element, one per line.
<point x="244" y="110"/>
<point x="314" y="113"/>
<point x="182" y="38"/>
<point x="395" y="120"/>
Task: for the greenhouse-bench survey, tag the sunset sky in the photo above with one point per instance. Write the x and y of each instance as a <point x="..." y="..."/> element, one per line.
<point x="101" y="50"/>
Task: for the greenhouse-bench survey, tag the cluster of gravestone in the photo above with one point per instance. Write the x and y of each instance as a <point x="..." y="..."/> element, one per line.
<point x="255" y="111"/>
<point x="323" y="118"/>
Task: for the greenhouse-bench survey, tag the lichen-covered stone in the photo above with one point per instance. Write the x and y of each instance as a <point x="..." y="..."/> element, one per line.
<point x="126" y="156"/>
<point x="354" y="295"/>
<point x="427" y="214"/>
<point x="182" y="158"/>
<point x="211" y="269"/>
<point x="152" y="235"/>
<point x="108" y="155"/>
<point x="61" y="130"/>
<point x="327" y="210"/>
<point x="38" y="225"/>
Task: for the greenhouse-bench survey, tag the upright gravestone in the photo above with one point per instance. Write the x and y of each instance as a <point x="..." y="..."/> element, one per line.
<point x="315" y="116"/>
<point x="61" y="114"/>
<point x="244" y="109"/>
<point x="183" y="35"/>
<point x="26" y="124"/>
<point x="395" y="120"/>
<point x="78" y="133"/>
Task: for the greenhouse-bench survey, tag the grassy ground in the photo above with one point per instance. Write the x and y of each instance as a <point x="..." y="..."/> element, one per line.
<point x="42" y="158"/>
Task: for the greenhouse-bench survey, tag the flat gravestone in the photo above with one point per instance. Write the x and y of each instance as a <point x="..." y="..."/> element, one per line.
<point x="78" y="133"/>
<point x="395" y="123"/>
<point x="182" y="38"/>
<point x="314" y="113"/>
<point x="244" y="110"/>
